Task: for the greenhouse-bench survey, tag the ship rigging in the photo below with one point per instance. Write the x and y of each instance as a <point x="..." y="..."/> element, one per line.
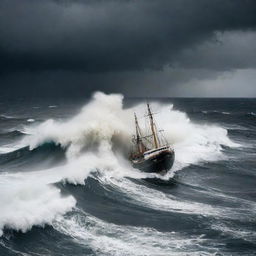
<point x="152" y="152"/>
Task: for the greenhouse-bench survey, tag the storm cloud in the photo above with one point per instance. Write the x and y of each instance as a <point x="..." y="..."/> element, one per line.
<point x="111" y="44"/>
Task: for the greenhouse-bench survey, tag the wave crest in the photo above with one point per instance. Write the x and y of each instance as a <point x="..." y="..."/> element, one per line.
<point x="104" y="119"/>
<point x="98" y="139"/>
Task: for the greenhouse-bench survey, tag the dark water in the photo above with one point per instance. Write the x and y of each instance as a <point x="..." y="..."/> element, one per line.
<point x="67" y="189"/>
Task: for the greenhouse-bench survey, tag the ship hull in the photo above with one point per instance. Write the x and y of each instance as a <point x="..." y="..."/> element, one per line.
<point x="161" y="163"/>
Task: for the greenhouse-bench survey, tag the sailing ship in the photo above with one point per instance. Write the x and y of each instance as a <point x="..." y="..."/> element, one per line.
<point x="151" y="152"/>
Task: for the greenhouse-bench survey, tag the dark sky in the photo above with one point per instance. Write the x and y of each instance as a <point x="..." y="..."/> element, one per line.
<point x="136" y="47"/>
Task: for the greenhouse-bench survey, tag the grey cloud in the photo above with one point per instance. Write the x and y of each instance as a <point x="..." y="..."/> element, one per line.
<point x="229" y="50"/>
<point x="111" y="36"/>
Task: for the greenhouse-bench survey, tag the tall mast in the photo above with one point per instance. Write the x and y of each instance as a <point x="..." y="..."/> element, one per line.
<point x="152" y="125"/>
<point x="138" y="135"/>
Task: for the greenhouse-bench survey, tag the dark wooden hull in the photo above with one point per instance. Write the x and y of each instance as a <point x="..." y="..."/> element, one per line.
<point x="161" y="163"/>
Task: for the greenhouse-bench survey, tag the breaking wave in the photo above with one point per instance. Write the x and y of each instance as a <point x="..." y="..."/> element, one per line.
<point x="12" y="134"/>
<point x="98" y="140"/>
<point x="105" y="120"/>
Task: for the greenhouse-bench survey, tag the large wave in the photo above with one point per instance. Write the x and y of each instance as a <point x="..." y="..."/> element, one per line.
<point x="98" y="139"/>
<point x="104" y="119"/>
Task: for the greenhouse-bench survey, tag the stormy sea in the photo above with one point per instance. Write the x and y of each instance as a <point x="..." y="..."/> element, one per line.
<point x="68" y="188"/>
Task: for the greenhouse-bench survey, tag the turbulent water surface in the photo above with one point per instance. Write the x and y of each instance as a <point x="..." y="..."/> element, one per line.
<point x="67" y="188"/>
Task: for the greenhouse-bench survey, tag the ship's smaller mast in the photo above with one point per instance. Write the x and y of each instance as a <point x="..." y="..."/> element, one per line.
<point x="152" y="125"/>
<point x="138" y="136"/>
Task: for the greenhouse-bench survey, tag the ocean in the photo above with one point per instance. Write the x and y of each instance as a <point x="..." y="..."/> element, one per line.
<point x="67" y="187"/>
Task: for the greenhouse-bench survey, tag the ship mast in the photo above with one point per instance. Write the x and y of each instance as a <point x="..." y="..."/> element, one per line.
<point x="152" y="125"/>
<point x="138" y="136"/>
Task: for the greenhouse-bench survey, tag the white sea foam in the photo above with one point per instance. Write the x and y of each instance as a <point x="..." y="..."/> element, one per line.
<point x="215" y="111"/>
<point x="10" y="147"/>
<point x="236" y="231"/>
<point x="7" y="116"/>
<point x="6" y="149"/>
<point x="140" y="194"/>
<point x="105" y="119"/>
<point x="29" y="198"/>
<point x="111" y="239"/>
<point x="98" y="138"/>
<point x="26" y="201"/>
